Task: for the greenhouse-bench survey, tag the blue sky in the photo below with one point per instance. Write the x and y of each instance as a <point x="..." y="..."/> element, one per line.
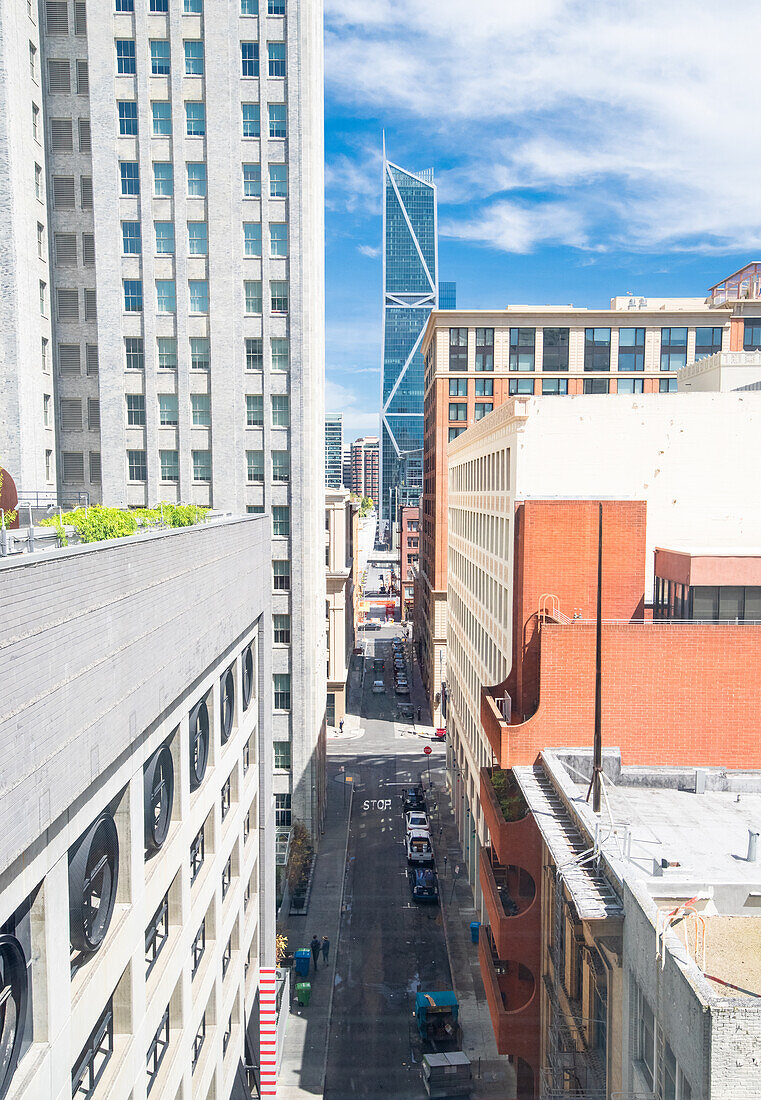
<point x="581" y="150"/>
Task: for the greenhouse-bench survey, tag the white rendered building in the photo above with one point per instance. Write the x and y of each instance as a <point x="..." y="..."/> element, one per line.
<point x="168" y="156"/>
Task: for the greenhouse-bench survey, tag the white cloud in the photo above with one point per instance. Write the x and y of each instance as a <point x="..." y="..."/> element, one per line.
<point x="568" y="121"/>
<point x="356" y="419"/>
<point x="369" y="251"/>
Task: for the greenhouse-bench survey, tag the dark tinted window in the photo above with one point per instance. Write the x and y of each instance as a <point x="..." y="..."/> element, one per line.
<point x="555" y="356"/>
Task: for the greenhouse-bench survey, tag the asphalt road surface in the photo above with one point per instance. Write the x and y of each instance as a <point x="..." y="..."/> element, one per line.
<point x="389" y="946"/>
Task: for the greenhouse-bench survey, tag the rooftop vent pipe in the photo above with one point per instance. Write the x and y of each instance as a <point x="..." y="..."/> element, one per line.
<point x="752" y="846"/>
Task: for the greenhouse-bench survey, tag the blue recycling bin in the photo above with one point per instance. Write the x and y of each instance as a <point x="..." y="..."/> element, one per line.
<point x="474" y="927"/>
<point x="301" y="961"/>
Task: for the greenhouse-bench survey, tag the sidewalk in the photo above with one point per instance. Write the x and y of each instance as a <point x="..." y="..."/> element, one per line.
<point x="302" y="1070"/>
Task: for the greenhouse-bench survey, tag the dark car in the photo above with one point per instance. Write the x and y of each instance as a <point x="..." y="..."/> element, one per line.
<point x="372" y="624"/>
<point x="413" y="798"/>
<point x="424" y="885"/>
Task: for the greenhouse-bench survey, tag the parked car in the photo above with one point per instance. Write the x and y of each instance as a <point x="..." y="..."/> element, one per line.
<point x="372" y="624"/>
<point x="424" y="885"/>
<point x="417" y="820"/>
<point x="402" y="687"/>
<point x="413" y="798"/>
<point x="406" y="711"/>
<point x="378" y="687"/>
<point x="419" y="848"/>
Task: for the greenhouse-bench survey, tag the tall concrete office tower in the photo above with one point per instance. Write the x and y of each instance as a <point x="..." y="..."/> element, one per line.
<point x="410" y="292"/>
<point x="162" y="188"/>
<point x="334" y="437"/>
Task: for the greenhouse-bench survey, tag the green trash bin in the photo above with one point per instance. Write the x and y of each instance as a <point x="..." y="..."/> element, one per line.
<point x="303" y="992"/>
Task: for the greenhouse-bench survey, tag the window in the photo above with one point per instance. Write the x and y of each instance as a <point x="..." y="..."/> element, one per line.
<point x="645" y="1038"/>
<point x="43" y="298"/>
<point x="135" y="410"/>
<point x="631" y="349"/>
<point x="163" y="180"/>
<point x="282" y="754"/>
<point x="65" y="247"/>
<point x="282" y="690"/>
<point x="554" y="386"/>
<point x="482" y="408"/>
<point x="752" y="335"/>
<point x="227" y="870"/>
<point x="198" y="948"/>
<point x="197" y="852"/>
<point x="160" y="57"/>
<point x="253" y="292"/>
<point x="38" y="181"/>
<point x="197" y="180"/>
<point x="276" y="52"/>
<point x="133" y="295"/>
<point x="458" y="387"/>
<point x="254" y="410"/>
<point x="193" y="7"/>
<point x="195" y="117"/>
<point x="673" y="348"/>
<point x="281" y="521"/>
<point x="161" y="111"/>
<point x="157" y="1050"/>
<point x="252" y="239"/>
<point x="199" y="353"/>
<point x="129" y="171"/>
<point x="61" y="135"/>
<point x="80" y="17"/>
<point x="458" y="410"/>
<point x="91" y="304"/>
<point x="555" y="354"/>
<point x="166" y="301"/>
<point x="254" y="353"/>
<point x="281" y="466"/>
<point x="200" y="405"/>
<point x="485" y="349"/>
<point x="91" y="358"/>
<point x="33" y="61"/>
<point x="125" y="5"/>
<point x="193" y="57"/>
<point x="164" y="237"/>
<point x="48" y="465"/>
<point x="484" y="387"/>
<point x="520" y="386"/>
<point x="73" y="466"/>
<point x="458" y="349"/>
<point x="249" y="7"/>
<point x="59" y="77"/>
<point x="281" y="576"/>
<point x="44" y="356"/>
<point x="133" y="351"/>
<point x="125" y="56"/>
<point x="667" y="385"/>
<point x="94" y="1057"/>
<point x="596" y="385"/>
<point x="597" y="349"/>
<point x="251" y="123"/>
<point x="252" y="181"/>
<point x="85" y="136"/>
<point x="249" y="58"/>
<point x="201" y="465"/>
<point x="137" y="466"/>
<point x="279" y="348"/>
<point x="156" y="934"/>
<point x="283" y="810"/>
<point x="522" y="347"/>
<point x="170" y="465"/>
<point x="227" y="955"/>
<point x="159" y="6"/>
<point x="280" y="410"/>
<point x="83" y="78"/>
<point x="278" y="181"/>
<point x="35" y="122"/>
<point x="46" y="413"/>
<point x="198" y="241"/>
<point x="282" y="629"/>
<point x="279" y="296"/>
<point x="631" y="385"/>
<point x="278" y="239"/>
<point x="277" y="117"/>
<point x="707" y="342"/>
<point x="167" y="349"/>
<point x="199" y="295"/>
<point x="168" y="411"/>
<point x="85" y="191"/>
<point x="127" y="117"/>
<point x="198" y="1042"/>
<point x="95" y="470"/>
<point x="255" y="466"/>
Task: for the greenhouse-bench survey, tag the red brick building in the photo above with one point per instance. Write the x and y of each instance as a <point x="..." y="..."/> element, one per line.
<point x="365" y="454"/>
<point x="409" y="556"/>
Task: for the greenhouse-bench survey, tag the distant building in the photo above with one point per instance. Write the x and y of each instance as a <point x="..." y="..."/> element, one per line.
<point x="343" y="591"/>
<point x="477" y="359"/>
<point x="409" y="543"/>
<point x="346" y="476"/>
<point x="364" y="467"/>
<point x="334" y="436"/>
<point x="138" y="818"/>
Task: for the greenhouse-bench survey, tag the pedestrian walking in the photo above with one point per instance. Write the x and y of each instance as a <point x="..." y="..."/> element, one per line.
<point x="419" y="713"/>
<point x="315" y="945"/>
<point x="341" y="726"/>
<point x="325" y="949"/>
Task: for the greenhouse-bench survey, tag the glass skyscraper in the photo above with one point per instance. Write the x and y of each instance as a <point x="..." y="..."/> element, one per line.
<point x="410" y="292"/>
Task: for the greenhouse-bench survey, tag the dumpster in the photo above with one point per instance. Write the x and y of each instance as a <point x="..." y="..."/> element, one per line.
<point x="301" y="960"/>
<point x="437" y="1019"/>
<point x="447" y="1075"/>
<point x="303" y="992"/>
<point x="474" y="927"/>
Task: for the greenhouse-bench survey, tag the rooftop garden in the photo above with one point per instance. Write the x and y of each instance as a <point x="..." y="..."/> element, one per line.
<point x="509" y="795"/>
<point x="96" y="523"/>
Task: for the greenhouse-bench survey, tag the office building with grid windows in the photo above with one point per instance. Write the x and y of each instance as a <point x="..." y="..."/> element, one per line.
<point x="169" y="153"/>
<point x="476" y="360"/>
<point x="334" y="437"/>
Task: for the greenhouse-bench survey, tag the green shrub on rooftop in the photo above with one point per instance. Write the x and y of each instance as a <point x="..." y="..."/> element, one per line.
<point x="97" y="523"/>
